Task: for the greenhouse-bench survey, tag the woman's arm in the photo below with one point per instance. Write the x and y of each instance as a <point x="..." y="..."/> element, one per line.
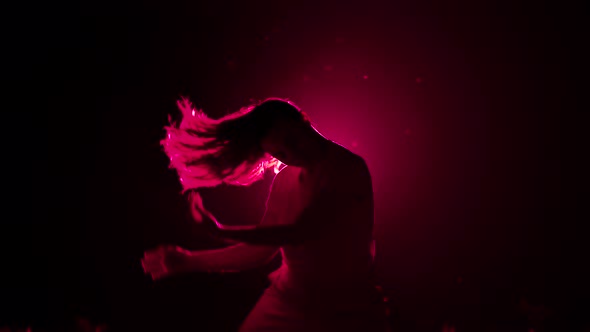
<point x="268" y="232"/>
<point x="313" y="222"/>
<point x="168" y="260"/>
<point x="239" y="257"/>
<point x="277" y="235"/>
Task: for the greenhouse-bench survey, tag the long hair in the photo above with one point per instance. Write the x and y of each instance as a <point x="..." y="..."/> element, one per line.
<point x="208" y="152"/>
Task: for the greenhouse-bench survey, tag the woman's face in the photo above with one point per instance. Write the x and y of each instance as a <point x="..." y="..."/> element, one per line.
<point x="284" y="142"/>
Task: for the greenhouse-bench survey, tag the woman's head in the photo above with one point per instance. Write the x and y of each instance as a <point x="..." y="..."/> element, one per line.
<point x="237" y="148"/>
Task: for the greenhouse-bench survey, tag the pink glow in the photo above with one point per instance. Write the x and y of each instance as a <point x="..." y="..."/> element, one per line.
<point x="418" y="80"/>
<point x="448" y="328"/>
<point x="365" y="77"/>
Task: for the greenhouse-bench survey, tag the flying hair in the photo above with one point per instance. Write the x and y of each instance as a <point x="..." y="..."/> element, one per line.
<point x="208" y="152"/>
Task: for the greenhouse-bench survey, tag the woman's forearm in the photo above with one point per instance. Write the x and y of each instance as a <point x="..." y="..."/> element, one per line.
<point x="238" y="257"/>
<point x="268" y="236"/>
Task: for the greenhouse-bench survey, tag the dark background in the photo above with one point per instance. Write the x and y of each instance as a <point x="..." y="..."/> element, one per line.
<point x="466" y="112"/>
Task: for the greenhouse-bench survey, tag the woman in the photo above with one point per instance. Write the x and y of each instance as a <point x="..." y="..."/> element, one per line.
<point x="319" y="215"/>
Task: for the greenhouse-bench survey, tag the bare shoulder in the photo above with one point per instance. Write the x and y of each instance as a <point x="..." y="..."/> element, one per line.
<point x="346" y="162"/>
<point x="280" y="179"/>
<point x="347" y="172"/>
<point x="275" y="199"/>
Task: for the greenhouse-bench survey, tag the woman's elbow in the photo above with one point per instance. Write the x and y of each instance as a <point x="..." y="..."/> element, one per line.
<point x="262" y="255"/>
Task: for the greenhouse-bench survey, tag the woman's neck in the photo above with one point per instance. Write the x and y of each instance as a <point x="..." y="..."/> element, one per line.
<point x="317" y="156"/>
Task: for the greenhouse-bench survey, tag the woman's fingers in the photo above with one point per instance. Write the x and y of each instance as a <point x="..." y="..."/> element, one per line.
<point x="155" y="271"/>
<point x="198" y="210"/>
<point x="153" y="267"/>
<point x="149" y="264"/>
<point x="150" y="260"/>
<point x="164" y="260"/>
<point x="154" y="264"/>
<point x="196" y="199"/>
<point x="157" y="275"/>
<point x="196" y="213"/>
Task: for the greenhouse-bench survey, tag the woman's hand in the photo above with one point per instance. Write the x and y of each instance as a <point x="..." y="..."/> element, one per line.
<point x="202" y="215"/>
<point x="165" y="261"/>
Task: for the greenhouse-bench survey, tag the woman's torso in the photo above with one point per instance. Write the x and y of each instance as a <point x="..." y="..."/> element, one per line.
<point x="338" y="262"/>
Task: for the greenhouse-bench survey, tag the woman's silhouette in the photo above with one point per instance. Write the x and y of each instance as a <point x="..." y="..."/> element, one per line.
<point x="319" y="215"/>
